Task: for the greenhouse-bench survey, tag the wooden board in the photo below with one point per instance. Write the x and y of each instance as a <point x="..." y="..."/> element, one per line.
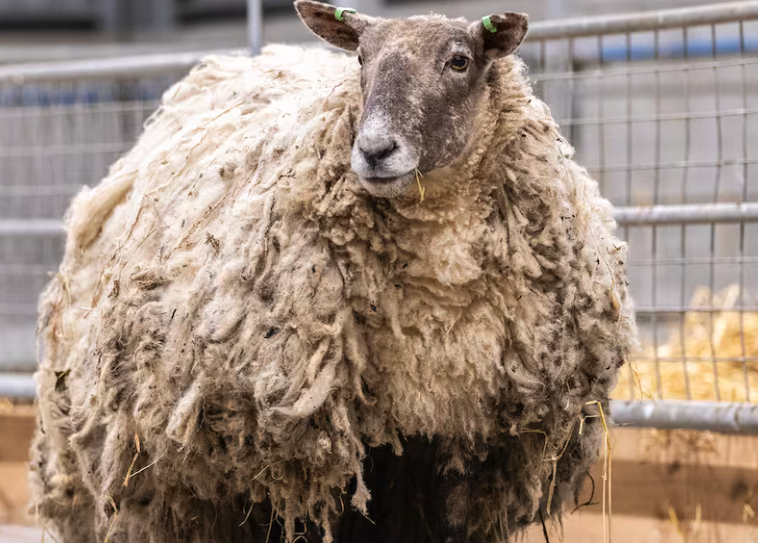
<point x="721" y="494"/>
<point x="588" y="528"/>
<point x="16" y="431"/>
<point x="14" y="494"/>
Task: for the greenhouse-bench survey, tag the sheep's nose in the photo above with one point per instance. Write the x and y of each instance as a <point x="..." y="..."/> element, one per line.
<point x="378" y="150"/>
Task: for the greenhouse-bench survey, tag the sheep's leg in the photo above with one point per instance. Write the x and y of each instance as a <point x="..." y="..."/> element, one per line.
<point x="453" y="501"/>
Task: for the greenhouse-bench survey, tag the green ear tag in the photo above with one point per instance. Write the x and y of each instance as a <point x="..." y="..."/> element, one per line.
<point x="488" y="24"/>
<point x="340" y="11"/>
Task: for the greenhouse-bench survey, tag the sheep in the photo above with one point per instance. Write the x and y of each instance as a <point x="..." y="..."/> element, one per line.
<point x="330" y="300"/>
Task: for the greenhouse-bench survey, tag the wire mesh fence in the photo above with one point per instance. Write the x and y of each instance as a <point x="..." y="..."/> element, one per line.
<point x="61" y="126"/>
<point x="662" y="109"/>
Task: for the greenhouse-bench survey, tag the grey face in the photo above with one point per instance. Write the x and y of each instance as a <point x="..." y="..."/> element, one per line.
<point x="419" y="97"/>
<point x="422" y="79"/>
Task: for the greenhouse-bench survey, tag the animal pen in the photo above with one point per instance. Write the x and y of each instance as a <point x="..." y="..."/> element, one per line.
<point x="661" y="107"/>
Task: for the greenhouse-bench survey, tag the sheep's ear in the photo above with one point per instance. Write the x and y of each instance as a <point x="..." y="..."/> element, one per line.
<point x="500" y="35"/>
<point x="339" y="26"/>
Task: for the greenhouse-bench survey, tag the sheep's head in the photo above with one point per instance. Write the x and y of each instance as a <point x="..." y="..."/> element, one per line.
<point x="422" y="80"/>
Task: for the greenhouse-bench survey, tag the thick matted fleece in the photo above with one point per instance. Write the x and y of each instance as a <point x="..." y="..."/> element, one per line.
<point x="236" y="319"/>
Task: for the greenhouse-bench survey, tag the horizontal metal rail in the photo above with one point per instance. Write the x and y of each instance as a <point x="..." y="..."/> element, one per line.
<point x="691" y="164"/>
<point x="39" y="191"/>
<point x="658" y="118"/>
<point x="17" y="386"/>
<point x="695" y="359"/>
<point x="645" y="69"/>
<point x="684" y="261"/>
<point x="65" y="149"/>
<point x="625" y="216"/>
<point x="158" y="65"/>
<point x="721" y="417"/>
<point x="107" y="68"/>
<point x="18" y="310"/>
<point x="686" y="214"/>
<point x="31" y="228"/>
<point x="647" y="21"/>
<point x="673" y="310"/>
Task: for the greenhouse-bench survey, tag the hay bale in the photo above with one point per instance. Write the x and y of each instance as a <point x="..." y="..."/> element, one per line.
<point x="237" y="322"/>
<point x="687" y="366"/>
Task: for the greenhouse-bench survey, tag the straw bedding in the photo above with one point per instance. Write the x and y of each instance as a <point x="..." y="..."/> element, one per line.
<point x="237" y="322"/>
<point x="699" y="355"/>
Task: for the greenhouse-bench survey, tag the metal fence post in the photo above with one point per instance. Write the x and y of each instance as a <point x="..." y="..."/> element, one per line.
<point x="255" y="26"/>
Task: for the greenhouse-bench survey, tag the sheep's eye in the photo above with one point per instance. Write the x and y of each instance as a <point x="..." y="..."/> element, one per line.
<point x="360" y="60"/>
<point x="459" y="63"/>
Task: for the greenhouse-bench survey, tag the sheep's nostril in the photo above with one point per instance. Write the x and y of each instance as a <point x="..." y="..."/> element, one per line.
<point x="374" y="154"/>
<point x="387" y="152"/>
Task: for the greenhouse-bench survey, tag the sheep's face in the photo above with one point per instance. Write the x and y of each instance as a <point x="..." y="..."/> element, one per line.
<point x="422" y="80"/>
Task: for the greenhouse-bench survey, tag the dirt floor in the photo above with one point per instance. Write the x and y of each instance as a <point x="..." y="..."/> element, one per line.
<point x="667" y="487"/>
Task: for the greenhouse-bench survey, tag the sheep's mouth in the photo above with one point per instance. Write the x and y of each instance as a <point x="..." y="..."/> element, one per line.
<point x="387" y="180"/>
<point x="387" y="187"/>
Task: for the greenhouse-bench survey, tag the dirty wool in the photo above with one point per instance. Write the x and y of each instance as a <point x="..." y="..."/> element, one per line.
<point x="236" y="321"/>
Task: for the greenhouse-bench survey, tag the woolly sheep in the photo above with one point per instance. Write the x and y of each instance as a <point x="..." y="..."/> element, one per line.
<point x="315" y="294"/>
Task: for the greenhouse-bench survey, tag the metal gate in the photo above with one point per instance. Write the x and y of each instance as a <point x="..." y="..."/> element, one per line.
<point x="662" y="108"/>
